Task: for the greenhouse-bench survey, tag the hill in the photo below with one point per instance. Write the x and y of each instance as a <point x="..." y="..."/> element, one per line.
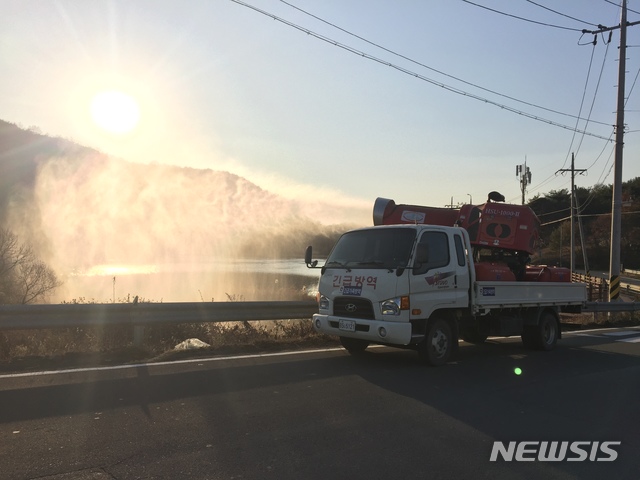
<point x="80" y="207"/>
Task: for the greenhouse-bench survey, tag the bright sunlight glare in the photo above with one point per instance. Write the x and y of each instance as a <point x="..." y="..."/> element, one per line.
<point x="115" y="111"/>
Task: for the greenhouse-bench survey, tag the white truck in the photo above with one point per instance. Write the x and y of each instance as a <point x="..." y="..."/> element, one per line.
<point x="417" y="286"/>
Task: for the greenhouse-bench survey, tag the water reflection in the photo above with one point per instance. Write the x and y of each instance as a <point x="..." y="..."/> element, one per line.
<point x="206" y="280"/>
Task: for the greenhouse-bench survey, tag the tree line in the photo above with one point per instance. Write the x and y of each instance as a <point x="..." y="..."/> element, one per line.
<point x="24" y="277"/>
<point x="594" y="206"/>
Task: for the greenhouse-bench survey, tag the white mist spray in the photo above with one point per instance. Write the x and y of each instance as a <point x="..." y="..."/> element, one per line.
<point x="169" y="233"/>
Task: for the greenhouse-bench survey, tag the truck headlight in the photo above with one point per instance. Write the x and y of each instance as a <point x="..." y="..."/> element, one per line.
<point x="394" y="306"/>
<point x="390" y="307"/>
<point x="323" y="303"/>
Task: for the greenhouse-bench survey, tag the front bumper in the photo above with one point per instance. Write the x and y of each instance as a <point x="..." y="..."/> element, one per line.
<point x="392" y="333"/>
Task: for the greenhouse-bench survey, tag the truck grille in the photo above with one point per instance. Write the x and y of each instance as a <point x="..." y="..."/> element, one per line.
<point x="351" y="307"/>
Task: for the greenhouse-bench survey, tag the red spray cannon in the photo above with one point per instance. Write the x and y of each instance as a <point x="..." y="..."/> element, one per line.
<point x="492" y="225"/>
<point x="503" y="234"/>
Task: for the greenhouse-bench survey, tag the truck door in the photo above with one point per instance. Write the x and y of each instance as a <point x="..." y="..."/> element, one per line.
<point x="442" y="281"/>
<point x="463" y="279"/>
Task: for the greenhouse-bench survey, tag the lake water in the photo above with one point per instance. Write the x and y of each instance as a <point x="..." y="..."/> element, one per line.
<point x="239" y="280"/>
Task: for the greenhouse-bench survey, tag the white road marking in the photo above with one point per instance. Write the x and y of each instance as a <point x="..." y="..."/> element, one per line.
<point x="602" y="331"/>
<point x="630" y="340"/>
<point x="632" y="336"/>
<point x="621" y="334"/>
<point x="175" y="362"/>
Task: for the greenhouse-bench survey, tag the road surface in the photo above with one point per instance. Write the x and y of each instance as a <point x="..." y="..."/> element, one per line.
<point x="327" y="415"/>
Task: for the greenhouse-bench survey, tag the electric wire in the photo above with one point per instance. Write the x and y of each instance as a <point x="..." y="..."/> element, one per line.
<point x="632" y="87"/>
<point x="482" y="88"/>
<point x="524" y="19"/>
<point x="618" y="5"/>
<point x="585" y="216"/>
<point x="551" y="213"/>
<point x="562" y="14"/>
<point x="553" y="176"/>
<point x="548" y="179"/>
<point x="555" y="221"/>
<point x="595" y="95"/>
<point x="404" y="57"/>
<point x="442" y="85"/>
<point x="594" y="42"/>
<point x="589" y="199"/>
<point x="584" y="94"/>
<point x="591" y="195"/>
<point x="414" y="74"/>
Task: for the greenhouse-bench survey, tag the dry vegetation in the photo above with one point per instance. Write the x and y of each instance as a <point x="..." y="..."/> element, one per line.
<point x="86" y="346"/>
<point x="24" y="350"/>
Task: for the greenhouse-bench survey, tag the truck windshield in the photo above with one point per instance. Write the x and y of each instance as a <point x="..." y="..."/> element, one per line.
<point x="376" y="248"/>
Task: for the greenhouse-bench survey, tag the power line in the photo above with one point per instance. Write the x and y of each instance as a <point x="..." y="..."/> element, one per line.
<point x="551" y="213"/>
<point x="595" y="94"/>
<point x="584" y="216"/>
<point x="606" y="145"/>
<point x="584" y="94"/>
<point x="422" y="77"/>
<point x="561" y="14"/>
<point x="551" y="177"/>
<point x="578" y="118"/>
<point x="618" y="5"/>
<point x="404" y="57"/>
<point x="555" y="221"/>
<point x="525" y="19"/>
<point x="414" y="74"/>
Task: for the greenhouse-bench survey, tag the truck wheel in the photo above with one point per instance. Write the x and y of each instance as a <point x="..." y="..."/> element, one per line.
<point x="354" y="345"/>
<point x="543" y="336"/>
<point x="437" y="346"/>
<point x="548" y="331"/>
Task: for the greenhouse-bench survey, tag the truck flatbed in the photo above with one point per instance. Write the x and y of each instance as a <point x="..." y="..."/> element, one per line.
<point x="489" y="295"/>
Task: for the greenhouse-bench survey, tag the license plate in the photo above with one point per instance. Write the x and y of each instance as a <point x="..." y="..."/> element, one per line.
<point x="347" y="325"/>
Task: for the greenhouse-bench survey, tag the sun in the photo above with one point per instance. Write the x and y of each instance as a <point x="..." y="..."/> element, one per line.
<point x="115" y="111"/>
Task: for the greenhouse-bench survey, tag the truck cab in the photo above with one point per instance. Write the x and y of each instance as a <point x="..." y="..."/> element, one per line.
<point x="379" y="284"/>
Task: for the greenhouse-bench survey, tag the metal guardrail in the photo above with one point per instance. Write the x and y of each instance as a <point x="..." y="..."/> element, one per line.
<point x="22" y="317"/>
<point x="18" y="317"/>
<point x="598" y="288"/>
<point x="629" y="289"/>
<point x="613" y="307"/>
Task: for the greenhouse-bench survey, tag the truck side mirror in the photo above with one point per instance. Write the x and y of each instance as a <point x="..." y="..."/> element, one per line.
<point x="308" y="255"/>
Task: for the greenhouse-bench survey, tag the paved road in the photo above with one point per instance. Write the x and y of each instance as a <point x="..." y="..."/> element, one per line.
<point x="326" y="415"/>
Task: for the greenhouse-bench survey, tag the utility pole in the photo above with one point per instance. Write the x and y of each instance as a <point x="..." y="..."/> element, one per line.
<point x="616" y="201"/>
<point x="616" y="205"/>
<point x="525" y="177"/>
<point x="573" y="207"/>
<point x="584" y="250"/>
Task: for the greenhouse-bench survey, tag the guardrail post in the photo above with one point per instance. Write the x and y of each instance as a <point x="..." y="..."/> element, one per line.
<point x="138" y="330"/>
<point x="138" y="335"/>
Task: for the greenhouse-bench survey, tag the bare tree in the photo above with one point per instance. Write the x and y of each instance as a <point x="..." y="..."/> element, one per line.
<point x="24" y="278"/>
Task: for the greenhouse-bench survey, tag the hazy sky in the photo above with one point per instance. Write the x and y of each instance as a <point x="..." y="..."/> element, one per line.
<point x="220" y="85"/>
